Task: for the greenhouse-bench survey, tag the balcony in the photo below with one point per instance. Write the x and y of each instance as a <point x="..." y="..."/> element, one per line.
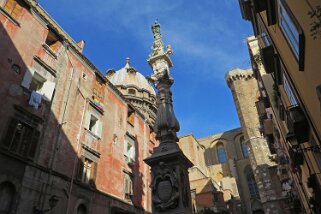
<point x="297" y="157"/>
<point x="270" y="59"/>
<point x="297" y="123"/>
<point x="246" y="9"/>
<point x="270" y="7"/>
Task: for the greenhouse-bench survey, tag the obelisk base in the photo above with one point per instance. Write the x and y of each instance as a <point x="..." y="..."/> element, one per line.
<point x="170" y="183"/>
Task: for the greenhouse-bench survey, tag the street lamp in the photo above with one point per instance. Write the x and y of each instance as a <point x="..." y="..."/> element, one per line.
<point x="53" y="201"/>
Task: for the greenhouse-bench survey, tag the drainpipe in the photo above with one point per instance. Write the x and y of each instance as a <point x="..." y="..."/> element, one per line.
<point x="77" y="147"/>
<point x="59" y="126"/>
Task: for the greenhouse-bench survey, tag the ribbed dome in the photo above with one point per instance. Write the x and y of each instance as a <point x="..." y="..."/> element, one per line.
<point x="128" y="76"/>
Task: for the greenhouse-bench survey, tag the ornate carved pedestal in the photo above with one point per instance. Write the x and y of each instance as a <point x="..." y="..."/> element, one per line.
<point x="170" y="184"/>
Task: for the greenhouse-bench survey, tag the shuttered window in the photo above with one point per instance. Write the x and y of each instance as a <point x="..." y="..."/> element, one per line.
<point x="39" y="79"/>
<point x="127" y="185"/>
<point x="21" y="138"/>
<point x="93" y="123"/>
<point x="292" y="32"/>
<point x="129" y="149"/>
<point x="13" y="8"/>
<point x="52" y="41"/>
<point x="87" y="171"/>
<point x="131" y="116"/>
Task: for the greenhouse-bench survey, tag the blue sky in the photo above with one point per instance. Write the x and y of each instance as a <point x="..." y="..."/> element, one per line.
<point x="207" y="38"/>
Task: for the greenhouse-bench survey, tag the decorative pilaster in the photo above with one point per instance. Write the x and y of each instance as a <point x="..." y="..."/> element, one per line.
<point x="169" y="166"/>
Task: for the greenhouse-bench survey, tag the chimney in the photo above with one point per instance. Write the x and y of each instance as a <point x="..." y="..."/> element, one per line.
<point x="81" y="44"/>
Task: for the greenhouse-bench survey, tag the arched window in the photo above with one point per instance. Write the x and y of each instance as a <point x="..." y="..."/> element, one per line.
<point x="254" y="192"/>
<point x="245" y="148"/>
<point x="81" y="209"/>
<point x="221" y="154"/>
<point x="7" y="192"/>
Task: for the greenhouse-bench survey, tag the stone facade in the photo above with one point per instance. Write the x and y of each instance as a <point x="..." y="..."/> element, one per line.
<point x="245" y="91"/>
<point x="65" y="130"/>
<point x="239" y="161"/>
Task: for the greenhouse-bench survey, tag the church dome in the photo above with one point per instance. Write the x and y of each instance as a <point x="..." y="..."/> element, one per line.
<point x="129" y="77"/>
<point x="136" y="88"/>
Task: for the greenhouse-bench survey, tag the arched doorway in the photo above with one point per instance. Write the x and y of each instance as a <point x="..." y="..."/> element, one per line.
<point x="7" y="193"/>
<point x="82" y="209"/>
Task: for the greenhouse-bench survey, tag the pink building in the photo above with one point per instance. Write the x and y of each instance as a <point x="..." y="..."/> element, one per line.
<point x="66" y="131"/>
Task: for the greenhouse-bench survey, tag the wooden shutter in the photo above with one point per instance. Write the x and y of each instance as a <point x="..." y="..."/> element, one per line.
<point x="81" y="162"/>
<point x="130" y="185"/>
<point x="126" y="184"/>
<point x="93" y="173"/>
<point x="131" y="118"/>
<point x="99" y="128"/>
<point x="47" y="90"/>
<point x="125" y="146"/>
<point x="27" y="78"/>
<point x="54" y="46"/>
<point x="87" y="120"/>
<point x="16" y="10"/>
<point x="132" y="152"/>
<point x="33" y="143"/>
<point x="10" y="132"/>
<point x="9" y="6"/>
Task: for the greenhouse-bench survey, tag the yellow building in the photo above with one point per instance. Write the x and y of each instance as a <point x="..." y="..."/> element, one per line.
<point x="285" y="53"/>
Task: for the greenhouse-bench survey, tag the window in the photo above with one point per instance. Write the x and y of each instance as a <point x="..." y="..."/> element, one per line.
<point x="40" y="80"/>
<point x="251" y="182"/>
<point x="84" y="76"/>
<point x="129" y="149"/>
<point x="52" y="41"/>
<point x="87" y="171"/>
<point x="292" y="32"/>
<point x="7" y="192"/>
<point x="288" y="90"/>
<point x="131" y="91"/>
<point x="93" y="123"/>
<point x="216" y="196"/>
<point x="21" y="138"/>
<point x="264" y="35"/>
<point x="127" y="185"/>
<point x="221" y="154"/>
<point x="130" y="116"/>
<point x="13" y="8"/>
<point x="245" y="148"/>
